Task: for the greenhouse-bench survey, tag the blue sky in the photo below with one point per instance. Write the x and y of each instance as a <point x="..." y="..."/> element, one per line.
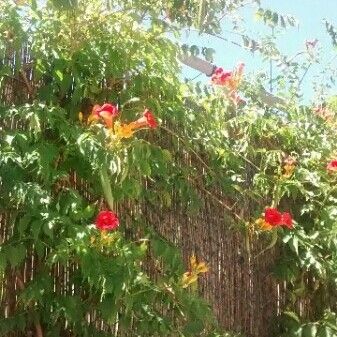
<point x="310" y="15"/>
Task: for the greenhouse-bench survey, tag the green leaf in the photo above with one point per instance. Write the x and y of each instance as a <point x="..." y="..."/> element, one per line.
<point x="292" y="315"/>
<point x="293" y="244"/>
<point x="73" y="308"/>
<point x="309" y="330"/>
<point x="109" y="309"/>
<point x="59" y="75"/>
<point x="193" y="328"/>
<point x="48" y="228"/>
<point x="325" y="331"/>
<point x="16" y="254"/>
<point x="23" y="224"/>
<point x="36" y="228"/>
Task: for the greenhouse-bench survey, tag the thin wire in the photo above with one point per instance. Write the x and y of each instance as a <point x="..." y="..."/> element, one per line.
<point x="192" y="79"/>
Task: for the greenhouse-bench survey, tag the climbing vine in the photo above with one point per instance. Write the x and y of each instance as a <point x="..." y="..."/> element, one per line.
<point x="99" y="89"/>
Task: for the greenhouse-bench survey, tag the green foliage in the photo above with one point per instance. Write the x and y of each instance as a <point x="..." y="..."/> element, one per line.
<point x="324" y="328"/>
<point x="84" y="54"/>
<point x="36" y="166"/>
<point x="274" y="19"/>
<point x="332" y="32"/>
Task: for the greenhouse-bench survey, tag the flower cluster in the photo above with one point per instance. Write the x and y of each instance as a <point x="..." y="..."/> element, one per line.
<point x="123" y="130"/>
<point x="107" y="221"/>
<point x="108" y="114"/>
<point x="221" y="77"/>
<point x="192" y="275"/>
<point x="230" y="80"/>
<point x="274" y="218"/>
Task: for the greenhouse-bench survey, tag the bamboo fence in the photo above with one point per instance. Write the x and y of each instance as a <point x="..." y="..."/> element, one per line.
<point x="239" y="286"/>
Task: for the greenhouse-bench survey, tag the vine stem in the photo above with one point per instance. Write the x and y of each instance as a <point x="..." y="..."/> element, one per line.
<point x="273" y="242"/>
<point x="222" y="203"/>
<point x="188" y="146"/>
<point x="198" y="157"/>
<point x="106" y="187"/>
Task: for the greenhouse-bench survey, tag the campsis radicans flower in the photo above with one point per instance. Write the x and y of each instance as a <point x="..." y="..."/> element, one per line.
<point x="332" y="166"/>
<point x="106" y="221"/>
<point x="230" y="80"/>
<point x="147" y="120"/>
<point x="262" y="224"/>
<point x="126" y="130"/>
<point x="221" y="77"/>
<point x="123" y="130"/>
<point x="274" y="218"/>
<point x="311" y="44"/>
<point x="192" y="275"/>
<point x="107" y="112"/>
